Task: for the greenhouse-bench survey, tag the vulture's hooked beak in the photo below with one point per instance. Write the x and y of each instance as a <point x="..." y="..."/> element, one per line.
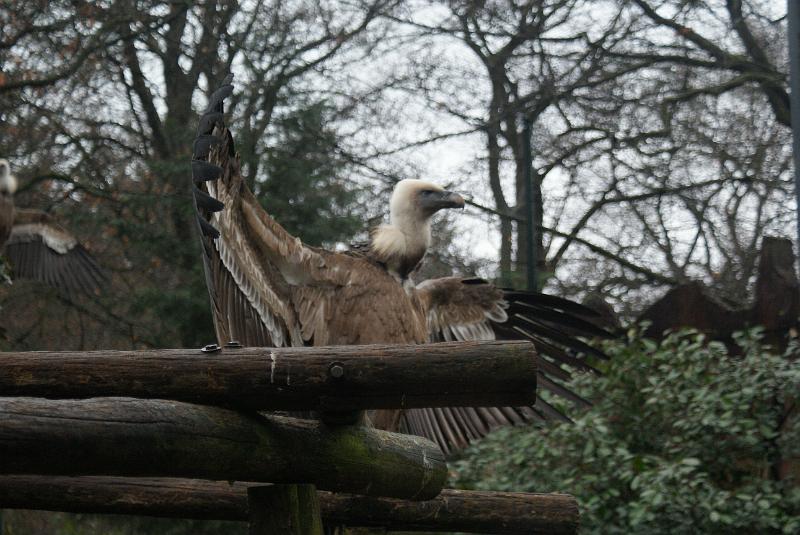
<point x="433" y="201"/>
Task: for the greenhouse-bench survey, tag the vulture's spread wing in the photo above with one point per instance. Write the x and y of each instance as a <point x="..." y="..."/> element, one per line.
<point x="267" y="288"/>
<point x="250" y="299"/>
<point x="472" y="309"/>
<point x="40" y="250"/>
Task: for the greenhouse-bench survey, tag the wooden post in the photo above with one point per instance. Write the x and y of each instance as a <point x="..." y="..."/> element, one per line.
<point x="284" y="510"/>
<point x="134" y="437"/>
<point x="777" y="302"/>
<point x="776" y="306"/>
<point x="509" y="513"/>
<point x="325" y="379"/>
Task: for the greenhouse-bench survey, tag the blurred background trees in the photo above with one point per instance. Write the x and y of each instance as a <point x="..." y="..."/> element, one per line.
<point x="660" y="134"/>
<point x="661" y="141"/>
<point x="99" y="108"/>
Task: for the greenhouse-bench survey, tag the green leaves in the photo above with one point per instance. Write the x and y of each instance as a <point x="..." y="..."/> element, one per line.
<point x="685" y="437"/>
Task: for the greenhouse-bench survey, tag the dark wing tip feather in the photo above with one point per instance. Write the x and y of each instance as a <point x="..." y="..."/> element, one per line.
<point x="562" y="391"/>
<point x="550" y="301"/>
<point x="207" y="228"/>
<point x="203" y="144"/>
<point x="543" y="330"/>
<point x="550" y="412"/>
<point x="203" y="171"/>
<point x="560" y="354"/>
<point x="565" y="320"/>
<point x="208" y="121"/>
<point x="474" y="281"/>
<point x="207" y="202"/>
<point x="224" y="90"/>
<point x="554" y="325"/>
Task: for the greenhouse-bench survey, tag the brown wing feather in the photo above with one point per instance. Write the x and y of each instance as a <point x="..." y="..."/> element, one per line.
<point x="472" y="309"/>
<point x="39" y="249"/>
<point x="266" y="286"/>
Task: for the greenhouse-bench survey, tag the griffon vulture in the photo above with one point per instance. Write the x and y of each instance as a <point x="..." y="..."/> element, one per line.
<point x="39" y="249"/>
<point x="270" y="289"/>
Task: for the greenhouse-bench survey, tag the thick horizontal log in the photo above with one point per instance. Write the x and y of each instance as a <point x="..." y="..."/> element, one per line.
<point x="460" y="510"/>
<point x="133" y="437"/>
<point x="145" y="496"/>
<point x="452" y="510"/>
<point x="342" y="378"/>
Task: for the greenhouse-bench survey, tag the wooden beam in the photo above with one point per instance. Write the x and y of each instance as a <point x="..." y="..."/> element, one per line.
<point x="460" y="510"/>
<point x="452" y="510"/>
<point x="332" y="379"/>
<point x="133" y="437"/>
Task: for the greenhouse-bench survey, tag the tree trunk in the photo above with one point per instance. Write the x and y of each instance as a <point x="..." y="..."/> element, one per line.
<point x="506" y="231"/>
<point x="522" y="223"/>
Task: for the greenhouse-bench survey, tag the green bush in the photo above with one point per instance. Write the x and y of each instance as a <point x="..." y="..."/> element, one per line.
<point x="684" y="437"/>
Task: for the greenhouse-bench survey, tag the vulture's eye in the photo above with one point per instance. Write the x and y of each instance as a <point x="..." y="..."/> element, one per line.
<point x="427" y="192"/>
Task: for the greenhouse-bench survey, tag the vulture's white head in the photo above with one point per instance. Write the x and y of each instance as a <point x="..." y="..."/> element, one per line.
<point x="415" y="201"/>
<point x="8" y="182"/>
<point x="402" y="243"/>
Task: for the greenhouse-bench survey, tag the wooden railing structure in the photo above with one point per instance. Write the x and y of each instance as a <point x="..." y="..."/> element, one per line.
<point x="167" y="432"/>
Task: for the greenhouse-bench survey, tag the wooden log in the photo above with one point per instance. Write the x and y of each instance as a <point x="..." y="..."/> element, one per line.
<point x="284" y="510"/>
<point x="146" y="496"/>
<point x="692" y="305"/>
<point x="459" y="510"/>
<point x="452" y="510"/>
<point x="334" y="379"/>
<point x="133" y="437"/>
<point x="776" y="306"/>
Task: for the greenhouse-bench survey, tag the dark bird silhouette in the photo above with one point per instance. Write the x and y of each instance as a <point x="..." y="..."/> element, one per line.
<point x="39" y="249"/>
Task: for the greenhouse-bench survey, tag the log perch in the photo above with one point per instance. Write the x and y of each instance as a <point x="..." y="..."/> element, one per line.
<point x="453" y="510"/>
<point x="326" y="379"/>
<point x="133" y="437"/>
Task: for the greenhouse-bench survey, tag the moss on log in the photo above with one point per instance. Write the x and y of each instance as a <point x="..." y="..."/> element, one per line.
<point x="133" y="437"/>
